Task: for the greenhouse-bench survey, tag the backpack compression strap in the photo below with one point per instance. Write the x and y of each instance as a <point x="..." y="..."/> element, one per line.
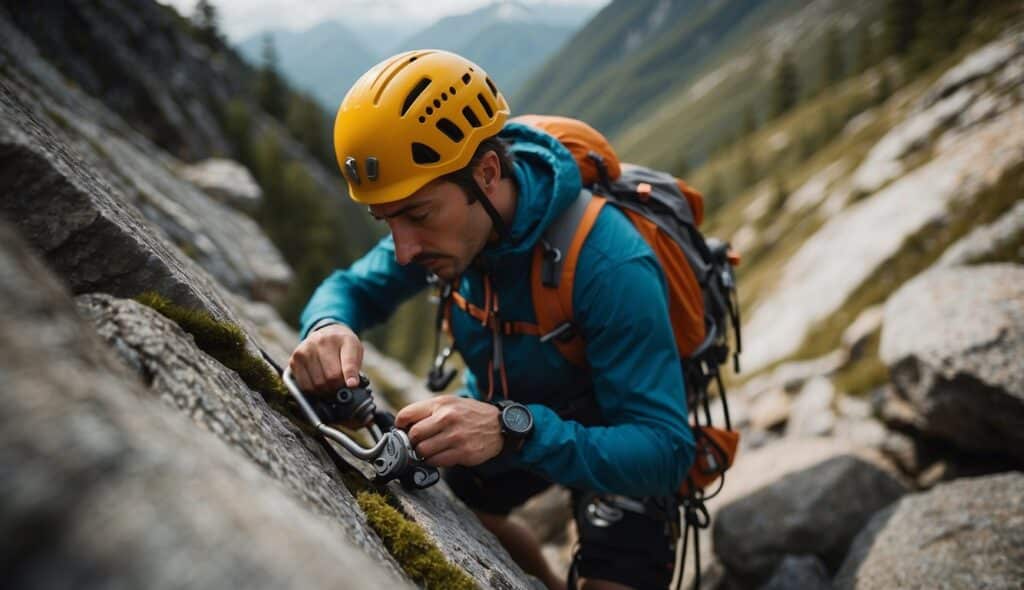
<point x="554" y="273"/>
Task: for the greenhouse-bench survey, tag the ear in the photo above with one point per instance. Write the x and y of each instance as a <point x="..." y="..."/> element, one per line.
<point x="488" y="171"/>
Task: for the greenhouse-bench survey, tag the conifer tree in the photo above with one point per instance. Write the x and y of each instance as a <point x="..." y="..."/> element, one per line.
<point x="271" y="90"/>
<point x="900" y="19"/>
<point x="207" y="23"/>
<point x="787" y="85"/>
<point x="833" y="61"/>
<point x="865" y="51"/>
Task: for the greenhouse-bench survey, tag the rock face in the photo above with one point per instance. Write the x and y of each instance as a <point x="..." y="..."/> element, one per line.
<point x="93" y="169"/>
<point x="217" y="400"/>
<point x="965" y="534"/>
<point x="226" y="180"/>
<point x="112" y="490"/>
<point x="799" y="572"/>
<point x="139" y="61"/>
<point x="814" y="511"/>
<point x="954" y="339"/>
<point x="971" y="155"/>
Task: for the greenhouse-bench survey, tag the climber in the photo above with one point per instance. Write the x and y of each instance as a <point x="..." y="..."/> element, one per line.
<point x="423" y="140"/>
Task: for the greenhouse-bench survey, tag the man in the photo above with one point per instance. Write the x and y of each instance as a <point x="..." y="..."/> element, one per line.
<point x="422" y="140"/>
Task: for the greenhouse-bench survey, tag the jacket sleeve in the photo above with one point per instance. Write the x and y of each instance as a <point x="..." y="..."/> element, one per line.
<point x="647" y="447"/>
<point x="366" y="293"/>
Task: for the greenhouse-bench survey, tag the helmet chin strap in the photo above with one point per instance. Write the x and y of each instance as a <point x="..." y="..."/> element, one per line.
<point x="499" y="223"/>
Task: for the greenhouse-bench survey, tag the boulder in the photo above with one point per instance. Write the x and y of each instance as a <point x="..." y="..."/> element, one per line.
<point x="756" y="470"/>
<point x="968" y="533"/>
<point x="811" y="413"/>
<point x="226" y="180"/>
<point x="953" y="339"/>
<point x="817" y="510"/>
<point x="106" y="487"/>
<point x="770" y="410"/>
<point x="799" y="572"/>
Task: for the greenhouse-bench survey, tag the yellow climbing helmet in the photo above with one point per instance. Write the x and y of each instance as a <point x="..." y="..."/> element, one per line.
<point x="413" y="118"/>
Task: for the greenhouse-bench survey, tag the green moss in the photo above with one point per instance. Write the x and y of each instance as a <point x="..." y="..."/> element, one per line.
<point x="866" y="372"/>
<point x="59" y="119"/>
<point x="411" y="547"/>
<point x="223" y="341"/>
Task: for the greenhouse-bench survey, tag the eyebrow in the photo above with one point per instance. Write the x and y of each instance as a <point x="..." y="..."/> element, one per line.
<point x="401" y="211"/>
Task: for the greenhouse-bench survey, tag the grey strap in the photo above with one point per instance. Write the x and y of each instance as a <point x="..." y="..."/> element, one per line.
<point x="558" y="237"/>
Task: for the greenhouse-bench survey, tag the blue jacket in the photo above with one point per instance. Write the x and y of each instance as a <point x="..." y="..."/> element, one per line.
<point x="642" y="444"/>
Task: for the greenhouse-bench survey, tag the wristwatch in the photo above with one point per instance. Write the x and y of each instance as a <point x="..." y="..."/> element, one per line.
<point x="516" y="422"/>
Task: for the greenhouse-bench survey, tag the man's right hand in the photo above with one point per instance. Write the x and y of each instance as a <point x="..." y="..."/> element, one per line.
<point x="327" y="360"/>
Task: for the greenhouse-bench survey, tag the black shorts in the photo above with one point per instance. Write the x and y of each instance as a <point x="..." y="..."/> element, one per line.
<point x="624" y="540"/>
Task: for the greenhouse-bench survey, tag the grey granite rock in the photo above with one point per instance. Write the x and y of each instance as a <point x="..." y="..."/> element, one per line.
<point x="103" y="487"/>
<point x="226" y="180"/>
<point x="965" y="534"/>
<point x="799" y="572"/>
<point x="903" y="197"/>
<point x="218" y="401"/>
<point x="43" y="111"/>
<point x="953" y="339"/>
<point x="814" y="511"/>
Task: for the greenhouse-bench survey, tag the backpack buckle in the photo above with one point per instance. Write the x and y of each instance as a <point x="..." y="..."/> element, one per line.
<point x="565" y="331"/>
<point x="549" y="266"/>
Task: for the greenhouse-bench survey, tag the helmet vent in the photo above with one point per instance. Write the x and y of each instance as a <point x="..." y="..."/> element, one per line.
<point x="487" y="107"/>
<point x="470" y="116"/>
<point x="450" y="129"/>
<point x="424" y="154"/>
<point x="415" y="93"/>
<point x="466" y="78"/>
<point x="490" y="85"/>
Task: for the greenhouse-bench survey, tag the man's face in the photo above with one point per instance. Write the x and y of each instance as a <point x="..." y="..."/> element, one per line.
<point x="436" y="228"/>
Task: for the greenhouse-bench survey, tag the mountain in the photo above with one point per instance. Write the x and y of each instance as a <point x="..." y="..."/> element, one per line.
<point x="508" y="39"/>
<point x="633" y="51"/>
<point x="324" y="60"/>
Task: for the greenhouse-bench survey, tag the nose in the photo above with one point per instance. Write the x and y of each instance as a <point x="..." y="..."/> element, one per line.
<point x="407" y="245"/>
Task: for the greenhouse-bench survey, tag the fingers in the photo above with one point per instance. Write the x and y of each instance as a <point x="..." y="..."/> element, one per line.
<point x="446" y="458"/>
<point x="351" y="358"/>
<point x="414" y="412"/>
<point x="428" y="427"/>
<point x="328" y="359"/>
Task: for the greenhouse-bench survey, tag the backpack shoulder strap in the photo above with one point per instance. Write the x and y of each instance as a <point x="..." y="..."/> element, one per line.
<point x="553" y="274"/>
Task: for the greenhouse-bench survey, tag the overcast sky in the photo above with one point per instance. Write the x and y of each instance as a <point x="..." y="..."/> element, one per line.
<point x="241" y="18"/>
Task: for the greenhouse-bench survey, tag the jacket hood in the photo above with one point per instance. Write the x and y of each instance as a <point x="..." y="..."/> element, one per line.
<point x="547" y="180"/>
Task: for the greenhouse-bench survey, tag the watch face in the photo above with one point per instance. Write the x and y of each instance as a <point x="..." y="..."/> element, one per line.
<point x="518" y="419"/>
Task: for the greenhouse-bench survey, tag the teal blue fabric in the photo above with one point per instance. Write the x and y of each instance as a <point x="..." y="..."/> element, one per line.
<point x="642" y="445"/>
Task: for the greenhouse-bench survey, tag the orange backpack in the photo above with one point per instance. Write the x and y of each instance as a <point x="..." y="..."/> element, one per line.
<point x="702" y="298"/>
<point x="701" y="285"/>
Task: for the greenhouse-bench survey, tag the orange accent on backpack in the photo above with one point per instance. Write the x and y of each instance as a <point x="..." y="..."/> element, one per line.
<point x="580" y="139"/>
<point x="685" y="301"/>
<point x="716" y="449"/>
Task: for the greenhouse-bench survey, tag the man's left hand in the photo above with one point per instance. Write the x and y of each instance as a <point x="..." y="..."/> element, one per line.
<point x="450" y="430"/>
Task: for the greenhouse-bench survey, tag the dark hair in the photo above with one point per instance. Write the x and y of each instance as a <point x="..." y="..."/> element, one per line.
<point x="464" y="176"/>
